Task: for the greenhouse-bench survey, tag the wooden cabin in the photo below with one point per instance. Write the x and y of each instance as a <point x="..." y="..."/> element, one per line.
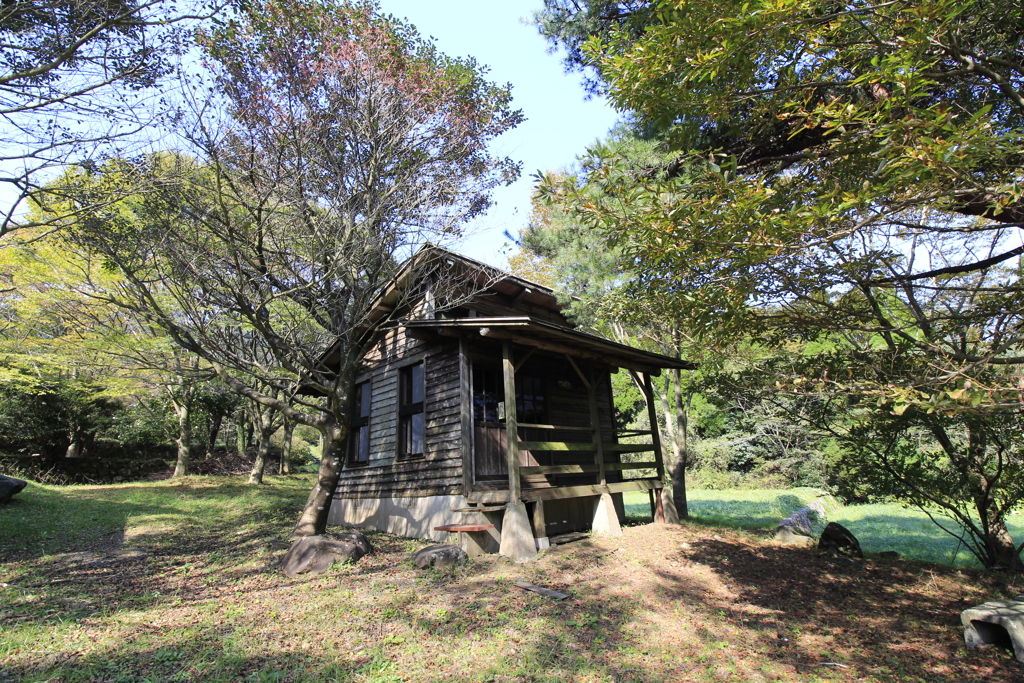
<point x="438" y="444"/>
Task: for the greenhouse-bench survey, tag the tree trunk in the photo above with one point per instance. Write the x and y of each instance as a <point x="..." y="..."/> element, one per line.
<point x="1002" y="553"/>
<point x="993" y="545"/>
<point x="75" y="447"/>
<point x="264" y="429"/>
<point x="286" y="447"/>
<point x="240" y="420"/>
<point x="182" y="396"/>
<point x="211" y="438"/>
<point x="333" y="430"/>
<point x="680" y="446"/>
<point x="675" y="427"/>
<point x="183" y="409"/>
<point x="313" y="519"/>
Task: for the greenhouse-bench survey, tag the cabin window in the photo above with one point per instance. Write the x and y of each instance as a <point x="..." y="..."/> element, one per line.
<point x="531" y="400"/>
<point x="410" y="411"/>
<point x="359" y="428"/>
<point x="489" y="395"/>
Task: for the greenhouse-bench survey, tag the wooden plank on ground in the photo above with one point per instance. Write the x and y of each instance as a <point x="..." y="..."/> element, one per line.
<point x="568" y="538"/>
<point x="543" y="591"/>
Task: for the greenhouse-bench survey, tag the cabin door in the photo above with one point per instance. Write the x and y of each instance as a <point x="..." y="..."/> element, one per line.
<point x="489" y="439"/>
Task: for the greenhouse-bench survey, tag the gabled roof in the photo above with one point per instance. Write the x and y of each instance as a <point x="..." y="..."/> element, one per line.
<point x="475" y="272"/>
<point x="525" y="330"/>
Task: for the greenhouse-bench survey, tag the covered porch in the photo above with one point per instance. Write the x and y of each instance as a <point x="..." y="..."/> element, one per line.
<point x="550" y="459"/>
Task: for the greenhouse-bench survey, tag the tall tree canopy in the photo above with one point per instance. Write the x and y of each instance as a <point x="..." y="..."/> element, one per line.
<point x="77" y="81"/>
<point x="844" y="174"/>
<point x="346" y="142"/>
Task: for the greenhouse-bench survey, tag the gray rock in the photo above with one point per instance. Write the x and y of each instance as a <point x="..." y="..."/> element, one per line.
<point x="994" y="622"/>
<point x="837" y="540"/>
<point x="440" y="556"/>
<point x="798" y="528"/>
<point x="355" y="538"/>
<point x="345" y="552"/>
<point x="791" y="536"/>
<point x="9" y="486"/>
<point x="315" y="554"/>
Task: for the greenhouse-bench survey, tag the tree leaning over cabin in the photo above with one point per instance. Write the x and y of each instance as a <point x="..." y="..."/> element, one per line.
<point x="348" y="142"/>
<point x="842" y="175"/>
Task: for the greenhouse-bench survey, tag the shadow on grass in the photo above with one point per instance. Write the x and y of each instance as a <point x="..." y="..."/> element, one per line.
<point x="805" y="609"/>
<point x="203" y="601"/>
<point x="205" y="654"/>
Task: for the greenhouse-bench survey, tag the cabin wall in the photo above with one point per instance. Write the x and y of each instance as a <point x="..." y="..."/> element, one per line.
<point x="378" y="494"/>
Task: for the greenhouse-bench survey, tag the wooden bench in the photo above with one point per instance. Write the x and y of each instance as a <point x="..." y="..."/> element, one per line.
<point x="467" y="541"/>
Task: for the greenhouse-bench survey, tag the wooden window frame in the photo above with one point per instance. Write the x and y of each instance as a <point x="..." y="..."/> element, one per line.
<point x="360" y="421"/>
<point x="408" y="409"/>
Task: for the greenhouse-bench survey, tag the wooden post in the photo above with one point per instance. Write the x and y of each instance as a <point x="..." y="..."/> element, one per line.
<point x="511" y="423"/>
<point x="655" y="431"/>
<point x="595" y="423"/>
<point x="466" y="410"/>
<point x="659" y="514"/>
<point x="654" y="508"/>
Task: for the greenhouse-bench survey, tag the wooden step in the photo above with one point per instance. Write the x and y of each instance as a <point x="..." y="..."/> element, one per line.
<point x="489" y="508"/>
<point x="464" y="527"/>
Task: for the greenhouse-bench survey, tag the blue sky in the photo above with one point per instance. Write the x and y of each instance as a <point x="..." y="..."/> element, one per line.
<point x="559" y="122"/>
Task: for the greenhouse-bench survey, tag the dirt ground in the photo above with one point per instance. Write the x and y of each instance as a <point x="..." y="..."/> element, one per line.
<point x="660" y="603"/>
<point x="760" y="610"/>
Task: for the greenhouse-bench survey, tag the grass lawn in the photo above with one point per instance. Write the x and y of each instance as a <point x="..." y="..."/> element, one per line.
<point x="878" y="527"/>
<point x="178" y="581"/>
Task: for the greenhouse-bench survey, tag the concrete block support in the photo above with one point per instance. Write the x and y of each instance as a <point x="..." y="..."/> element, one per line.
<point x="516" y="533"/>
<point x="993" y="622"/>
<point x="540" y="527"/>
<point x="606" y="521"/>
<point x="412" y="517"/>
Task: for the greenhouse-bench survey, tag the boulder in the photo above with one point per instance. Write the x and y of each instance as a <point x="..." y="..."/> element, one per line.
<point x="355" y="538"/>
<point x="817" y="506"/>
<point x="9" y="486"/>
<point x="440" y="556"/>
<point x="790" y="536"/>
<point x="315" y="554"/>
<point x="797" y="529"/>
<point x="837" y="540"/>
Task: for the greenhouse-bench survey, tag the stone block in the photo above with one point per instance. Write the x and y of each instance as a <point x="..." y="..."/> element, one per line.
<point x="440" y="556"/>
<point x="606" y="521"/>
<point x="517" y="534"/>
<point x="993" y="622"/>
